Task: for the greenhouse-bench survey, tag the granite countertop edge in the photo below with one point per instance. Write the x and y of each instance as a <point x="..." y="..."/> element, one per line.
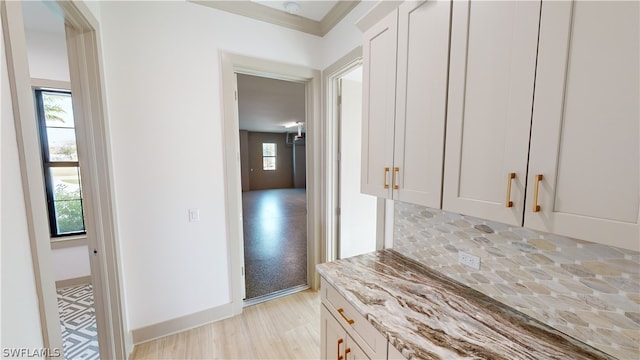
<point x="427" y="315"/>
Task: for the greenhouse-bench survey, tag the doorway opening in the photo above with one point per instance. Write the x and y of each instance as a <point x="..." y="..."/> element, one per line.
<point x="231" y="64"/>
<point x="357" y="215"/>
<point x="80" y="39"/>
<point x="271" y="117"/>
<point x="354" y="222"/>
<point x="45" y="35"/>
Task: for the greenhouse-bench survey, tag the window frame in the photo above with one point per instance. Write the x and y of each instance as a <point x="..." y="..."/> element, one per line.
<point x="274" y="156"/>
<point x="47" y="165"/>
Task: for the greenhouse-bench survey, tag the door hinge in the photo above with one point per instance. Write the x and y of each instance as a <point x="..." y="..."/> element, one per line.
<point x="337" y="211"/>
<point x="242" y="271"/>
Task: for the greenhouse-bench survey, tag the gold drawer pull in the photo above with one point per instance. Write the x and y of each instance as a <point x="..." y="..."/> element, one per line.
<point x="395" y="178"/>
<point x="386" y="173"/>
<point x="536" y="207"/>
<point x="346" y="352"/>
<point x="340" y="341"/>
<point x="510" y="178"/>
<point x="349" y="321"/>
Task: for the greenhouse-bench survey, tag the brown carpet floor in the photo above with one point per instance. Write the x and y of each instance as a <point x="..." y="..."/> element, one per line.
<point x="275" y="240"/>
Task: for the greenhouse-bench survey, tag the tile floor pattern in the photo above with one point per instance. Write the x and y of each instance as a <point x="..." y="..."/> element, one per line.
<point x="586" y="290"/>
<point x="78" y="323"/>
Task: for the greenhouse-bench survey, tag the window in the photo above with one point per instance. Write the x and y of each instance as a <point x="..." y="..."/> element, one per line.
<point x="269" y="151"/>
<point x="60" y="162"/>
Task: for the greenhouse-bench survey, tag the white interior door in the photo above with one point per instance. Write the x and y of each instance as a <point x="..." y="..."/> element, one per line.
<point x="357" y="225"/>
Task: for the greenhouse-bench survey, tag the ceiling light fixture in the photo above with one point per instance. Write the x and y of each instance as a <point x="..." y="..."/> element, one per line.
<point x="292" y="7"/>
<point x="292" y="124"/>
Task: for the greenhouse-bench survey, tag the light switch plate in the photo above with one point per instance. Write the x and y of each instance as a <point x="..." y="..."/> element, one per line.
<point x="194" y="214"/>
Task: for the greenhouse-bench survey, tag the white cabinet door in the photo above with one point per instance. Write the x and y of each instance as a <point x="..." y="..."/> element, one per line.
<point x="423" y="56"/>
<point x="378" y="98"/>
<point x="491" y="81"/>
<point x="354" y="352"/>
<point x="333" y="337"/>
<point x="585" y="132"/>
<point x="335" y="342"/>
<point x="394" y="354"/>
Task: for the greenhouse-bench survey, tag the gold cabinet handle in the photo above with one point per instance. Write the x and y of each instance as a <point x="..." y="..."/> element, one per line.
<point x="346" y="352"/>
<point x="340" y="341"/>
<point x="341" y="312"/>
<point x="395" y="178"/>
<point x="510" y="177"/>
<point x="386" y="172"/>
<point x="536" y="207"/>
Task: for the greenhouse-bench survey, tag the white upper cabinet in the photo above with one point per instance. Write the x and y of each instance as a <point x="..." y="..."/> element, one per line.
<point x="491" y="82"/>
<point x="585" y="130"/>
<point x="405" y="103"/>
<point x="421" y="101"/>
<point x="378" y="97"/>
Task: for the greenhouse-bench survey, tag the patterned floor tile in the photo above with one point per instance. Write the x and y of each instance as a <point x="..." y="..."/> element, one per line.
<point x="78" y="323"/>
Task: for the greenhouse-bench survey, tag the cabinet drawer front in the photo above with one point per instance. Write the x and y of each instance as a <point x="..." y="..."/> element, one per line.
<point x="370" y="339"/>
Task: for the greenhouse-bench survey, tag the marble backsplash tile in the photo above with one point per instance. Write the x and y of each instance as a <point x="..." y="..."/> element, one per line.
<point x="587" y="290"/>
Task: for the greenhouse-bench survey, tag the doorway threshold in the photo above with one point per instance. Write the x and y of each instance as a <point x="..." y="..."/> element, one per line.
<point x="275" y="295"/>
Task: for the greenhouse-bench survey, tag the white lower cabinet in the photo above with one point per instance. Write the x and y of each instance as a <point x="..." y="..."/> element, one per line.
<point x="345" y="334"/>
<point x="394" y="354"/>
<point x="336" y="343"/>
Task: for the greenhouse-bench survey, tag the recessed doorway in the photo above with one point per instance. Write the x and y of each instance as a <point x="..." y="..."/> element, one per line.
<point x="272" y="117"/>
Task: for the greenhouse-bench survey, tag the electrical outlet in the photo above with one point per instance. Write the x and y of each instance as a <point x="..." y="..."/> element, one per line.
<point x="471" y="261"/>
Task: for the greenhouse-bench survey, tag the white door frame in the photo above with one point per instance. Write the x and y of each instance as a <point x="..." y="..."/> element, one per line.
<point x="230" y="64"/>
<point x="84" y="54"/>
<point x="331" y="77"/>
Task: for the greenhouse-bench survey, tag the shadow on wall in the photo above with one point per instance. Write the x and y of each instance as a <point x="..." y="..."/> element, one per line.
<point x="271" y="161"/>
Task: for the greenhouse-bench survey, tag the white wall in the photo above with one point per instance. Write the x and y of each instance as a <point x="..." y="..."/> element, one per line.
<point x="163" y="81"/>
<point x="19" y="312"/>
<point x="357" y="211"/>
<point x="71" y="262"/>
<point x="47" y="54"/>
<point x="345" y="36"/>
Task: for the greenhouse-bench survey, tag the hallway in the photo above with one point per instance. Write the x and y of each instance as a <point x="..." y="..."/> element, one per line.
<point x="275" y="240"/>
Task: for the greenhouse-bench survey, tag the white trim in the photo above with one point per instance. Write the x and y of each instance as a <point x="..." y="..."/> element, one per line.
<point x="264" y="13"/>
<point x="180" y="324"/>
<point x="50" y="84"/>
<point x="92" y="134"/>
<point x="377" y="13"/>
<point x="83" y="280"/>
<point x="67" y="242"/>
<point x="229" y="65"/>
<point x="330" y="78"/>
<point x="31" y="171"/>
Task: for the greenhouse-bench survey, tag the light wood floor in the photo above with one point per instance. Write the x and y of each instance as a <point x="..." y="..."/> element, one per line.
<point x="285" y="328"/>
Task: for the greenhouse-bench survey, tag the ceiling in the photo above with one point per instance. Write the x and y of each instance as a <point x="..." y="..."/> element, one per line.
<point x="316" y="17"/>
<point x="44" y="16"/>
<point x="313" y="10"/>
<point x="267" y="105"/>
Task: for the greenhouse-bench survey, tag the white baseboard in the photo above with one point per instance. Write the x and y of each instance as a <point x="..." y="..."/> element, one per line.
<point x="60" y="284"/>
<point x="182" y="323"/>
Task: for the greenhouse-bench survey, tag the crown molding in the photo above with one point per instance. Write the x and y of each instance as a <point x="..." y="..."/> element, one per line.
<point x="281" y="18"/>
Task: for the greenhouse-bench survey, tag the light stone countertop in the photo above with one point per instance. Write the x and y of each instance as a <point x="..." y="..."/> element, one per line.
<point x="426" y="315"/>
